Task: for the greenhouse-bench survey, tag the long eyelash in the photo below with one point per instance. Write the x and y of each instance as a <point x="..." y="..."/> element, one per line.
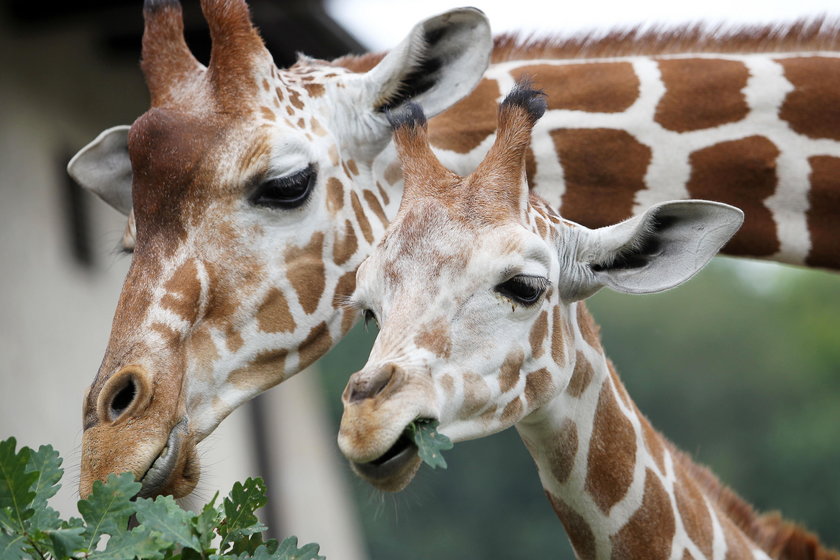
<point x="292" y="179"/>
<point x="537" y="282"/>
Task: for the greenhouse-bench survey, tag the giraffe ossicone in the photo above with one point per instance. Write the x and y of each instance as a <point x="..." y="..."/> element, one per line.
<point x="477" y="287"/>
<point x="253" y="193"/>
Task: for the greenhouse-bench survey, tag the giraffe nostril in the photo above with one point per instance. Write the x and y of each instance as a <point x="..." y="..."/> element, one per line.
<point x="368" y="386"/>
<point x="123" y="398"/>
<point x="123" y="394"/>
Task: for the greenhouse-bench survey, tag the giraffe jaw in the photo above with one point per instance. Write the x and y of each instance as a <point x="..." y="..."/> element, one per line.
<point x="175" y="468"/>
<point x="393" y="470"/>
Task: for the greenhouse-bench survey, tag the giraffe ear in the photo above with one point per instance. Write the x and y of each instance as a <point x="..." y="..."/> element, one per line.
<point x="103" y="167"/>
<point x="656" y="251"/>
<point x="439" y="63"/>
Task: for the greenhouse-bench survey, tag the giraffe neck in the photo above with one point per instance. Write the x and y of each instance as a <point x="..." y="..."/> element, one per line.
<point x="621" y="489"/>
<point x="623" y="133"/>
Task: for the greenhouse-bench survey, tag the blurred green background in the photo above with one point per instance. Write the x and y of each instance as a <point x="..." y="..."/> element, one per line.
<point x="740" y="367"/>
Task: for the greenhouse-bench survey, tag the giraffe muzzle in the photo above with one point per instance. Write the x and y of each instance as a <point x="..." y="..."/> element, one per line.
<point x="394" y="469"/>
<point x="174" y="469"/>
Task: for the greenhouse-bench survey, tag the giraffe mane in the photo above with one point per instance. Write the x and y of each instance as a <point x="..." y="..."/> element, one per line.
<point x="779" y="538"/>
<point x="814" y="34"/>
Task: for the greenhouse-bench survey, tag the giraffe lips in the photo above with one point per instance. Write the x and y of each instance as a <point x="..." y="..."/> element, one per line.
<point x="394" y="469"/>
<point x="163" y="472"/>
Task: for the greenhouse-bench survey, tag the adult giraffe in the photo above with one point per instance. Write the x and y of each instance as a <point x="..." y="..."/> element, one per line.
<point x="253" y="193"/>
<point x="478" y="287"/>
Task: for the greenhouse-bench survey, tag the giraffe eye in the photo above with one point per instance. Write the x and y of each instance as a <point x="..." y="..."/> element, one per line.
<point x="290" y="191"/>
<point x="522" y="289"/>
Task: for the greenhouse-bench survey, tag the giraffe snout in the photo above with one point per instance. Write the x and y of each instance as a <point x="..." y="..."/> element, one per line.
<point x="368" y="384"/>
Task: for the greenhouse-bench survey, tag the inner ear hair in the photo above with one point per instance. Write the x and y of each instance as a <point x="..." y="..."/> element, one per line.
<point x="422" y="75"/>
<point x="643" y="246"/>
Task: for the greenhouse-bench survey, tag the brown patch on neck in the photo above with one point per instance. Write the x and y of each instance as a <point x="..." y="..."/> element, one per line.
<point x="619" y="386"/>
<point x="513" y="410"/>
<point x="600" y="87"/>
<point x="344" y="288"/>
<point x="813" y="107"/>
<point x="538" y="385"/>
<point x="742" y="173"/>
<point x="373" y="204"/>
<point x="264" y="371"/>
<point x="604" y="168"/>
<point x="823" y="209"/>
<point x="653" y="442"/>
<point x="583" y="540"/>
<point x="701" y="93"/>
<point x="316" y="344"/>
<point x="435" y="338"/>
<point x="274" y="315"/>
<point x="581" y="376"/>
<point x="694" y="512"/>
<point x="589" y="329"/>
<point x="306" y="272"/>
<point x="612" y="453"/>
<point x="393" y="173"/>
<point x="777" y="537"/>
<point x="464" y="126"/>
<point x="562" y="451"/>
<point x="650" y="531"/>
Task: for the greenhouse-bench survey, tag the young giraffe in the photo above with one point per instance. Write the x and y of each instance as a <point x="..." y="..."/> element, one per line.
<point x="253" y="194"/>
<point x="477" y="286"/>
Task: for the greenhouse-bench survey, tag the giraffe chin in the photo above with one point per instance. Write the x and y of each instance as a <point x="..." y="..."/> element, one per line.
<point x="175" y="470"/>
<point x="394" y="469"/>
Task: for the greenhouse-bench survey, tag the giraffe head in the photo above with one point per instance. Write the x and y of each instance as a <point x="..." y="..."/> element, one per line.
<point x="473" y="285"/>
<point x="249" y="191"/>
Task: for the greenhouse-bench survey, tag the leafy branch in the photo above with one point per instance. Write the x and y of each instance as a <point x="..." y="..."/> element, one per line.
<point x="30" y="529"/>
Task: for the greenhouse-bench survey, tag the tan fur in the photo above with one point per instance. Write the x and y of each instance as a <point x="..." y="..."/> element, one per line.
<point x="611" y="460"/>
<point x="633" y="540"/>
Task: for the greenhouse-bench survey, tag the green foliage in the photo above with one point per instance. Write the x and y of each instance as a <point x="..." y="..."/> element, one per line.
<point x="30" y="529"/>
<point x="429" y="442"/>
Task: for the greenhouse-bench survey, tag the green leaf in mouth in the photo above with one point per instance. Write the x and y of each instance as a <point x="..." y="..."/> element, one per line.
<point x="429" y="442"/>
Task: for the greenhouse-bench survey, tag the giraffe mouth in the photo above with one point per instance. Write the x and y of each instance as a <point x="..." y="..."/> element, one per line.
<point x="173" y="470"/>
<point x="394" y="469"/>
